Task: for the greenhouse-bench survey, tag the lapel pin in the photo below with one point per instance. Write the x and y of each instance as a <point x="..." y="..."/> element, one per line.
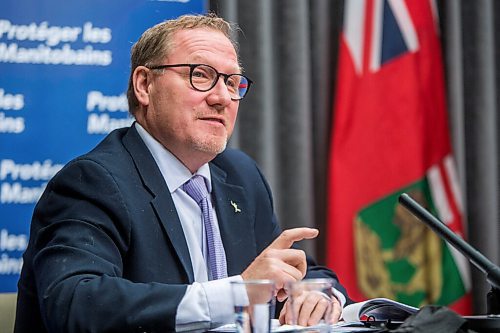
<point x="235" y="206"/>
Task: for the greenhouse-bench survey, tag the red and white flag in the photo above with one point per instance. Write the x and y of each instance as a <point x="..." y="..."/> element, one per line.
<point x="391" y="135"/>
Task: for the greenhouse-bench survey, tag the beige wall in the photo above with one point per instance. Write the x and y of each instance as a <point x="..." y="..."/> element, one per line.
<point x="7" y="312"/>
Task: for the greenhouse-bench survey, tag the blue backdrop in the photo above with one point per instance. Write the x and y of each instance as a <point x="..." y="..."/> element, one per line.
<point x="64" y="68"/>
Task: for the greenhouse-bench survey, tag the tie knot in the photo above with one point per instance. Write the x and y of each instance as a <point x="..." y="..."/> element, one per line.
<point x="196" y="188"/>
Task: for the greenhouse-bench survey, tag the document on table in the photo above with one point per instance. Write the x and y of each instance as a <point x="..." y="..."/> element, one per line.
<point x="277" y="328"/>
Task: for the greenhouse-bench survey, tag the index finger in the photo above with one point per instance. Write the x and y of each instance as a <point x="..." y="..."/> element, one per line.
<point x="286" y="239"/>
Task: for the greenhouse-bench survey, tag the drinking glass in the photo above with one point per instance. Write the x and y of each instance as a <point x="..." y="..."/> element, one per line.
<point x="254" y="305"/>
<point x="318" y="291"/>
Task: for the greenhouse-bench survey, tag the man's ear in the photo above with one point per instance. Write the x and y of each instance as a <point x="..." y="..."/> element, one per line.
<point x="141" y="85"/>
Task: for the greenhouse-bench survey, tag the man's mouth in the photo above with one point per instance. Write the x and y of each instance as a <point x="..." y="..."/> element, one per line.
<point x="218" y="120"/>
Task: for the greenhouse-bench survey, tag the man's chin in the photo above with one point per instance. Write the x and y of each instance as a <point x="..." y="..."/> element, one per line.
<point x="211" y="147"/>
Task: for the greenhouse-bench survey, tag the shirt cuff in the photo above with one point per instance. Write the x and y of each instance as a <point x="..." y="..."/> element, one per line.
<point x="220" y="299"/>
<point x="207" y="304"/>
<point x="340" y="297"/>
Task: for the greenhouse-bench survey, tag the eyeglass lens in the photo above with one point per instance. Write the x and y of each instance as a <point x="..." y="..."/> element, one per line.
<point x="204" y="77"/>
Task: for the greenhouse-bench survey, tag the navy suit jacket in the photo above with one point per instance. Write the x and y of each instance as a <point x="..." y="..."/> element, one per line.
<point x="107" y="251"/>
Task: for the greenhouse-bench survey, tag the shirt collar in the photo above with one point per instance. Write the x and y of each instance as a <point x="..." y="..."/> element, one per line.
<point x="174" y="172"/>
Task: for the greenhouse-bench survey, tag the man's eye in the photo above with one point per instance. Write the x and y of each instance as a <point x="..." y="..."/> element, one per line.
<point x="233" y="82"/>
<point x="200" y="74"/>
<point x="197" y="74"/>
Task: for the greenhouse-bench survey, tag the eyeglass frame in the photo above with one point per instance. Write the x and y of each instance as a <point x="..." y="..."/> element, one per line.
<point x="219" y="74"/>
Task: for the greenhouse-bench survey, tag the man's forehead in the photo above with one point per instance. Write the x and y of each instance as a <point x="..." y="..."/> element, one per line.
<point x="201" y="35"/>
<point x="201" y="43"/>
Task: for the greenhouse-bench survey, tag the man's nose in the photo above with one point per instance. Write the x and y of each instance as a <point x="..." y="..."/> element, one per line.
<point x="221" y="92"/>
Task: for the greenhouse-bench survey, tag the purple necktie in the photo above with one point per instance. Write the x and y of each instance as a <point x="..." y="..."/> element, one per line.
<point x="197" y="189"/>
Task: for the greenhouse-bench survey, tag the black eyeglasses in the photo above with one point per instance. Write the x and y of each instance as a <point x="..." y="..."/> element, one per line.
<point x="204" y="77"/>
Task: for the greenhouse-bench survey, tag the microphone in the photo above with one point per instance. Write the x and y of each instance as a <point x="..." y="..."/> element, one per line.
<point x="491" y="270"/>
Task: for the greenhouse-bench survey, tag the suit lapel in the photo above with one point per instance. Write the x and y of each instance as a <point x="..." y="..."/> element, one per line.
<point x="235" y="221"/>
<point x="234" y="213"/>
<point x="162" y="200"/>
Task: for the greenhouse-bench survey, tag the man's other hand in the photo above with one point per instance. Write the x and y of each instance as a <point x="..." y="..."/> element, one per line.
<point x="309" y="308"/>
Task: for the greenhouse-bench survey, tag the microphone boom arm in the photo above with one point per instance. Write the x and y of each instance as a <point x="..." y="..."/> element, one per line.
<point x="491" y="270"/>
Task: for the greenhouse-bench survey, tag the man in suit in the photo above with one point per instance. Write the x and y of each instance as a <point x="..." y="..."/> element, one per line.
<point x="117" y="243"/>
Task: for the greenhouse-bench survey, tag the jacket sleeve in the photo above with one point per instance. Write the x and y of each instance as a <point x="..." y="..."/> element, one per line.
<point x="313" y="269"/>
<point x="81" y="237"/>
<point x="268" y="225"/>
